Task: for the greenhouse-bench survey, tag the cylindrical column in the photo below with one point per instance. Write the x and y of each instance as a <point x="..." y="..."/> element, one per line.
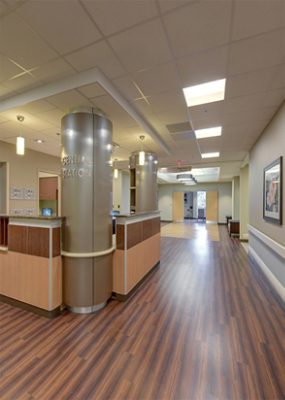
<point x="143" y="185"/>
<point x="86" y="206"/>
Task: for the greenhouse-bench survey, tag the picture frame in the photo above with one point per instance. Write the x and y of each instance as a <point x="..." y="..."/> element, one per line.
<point x="272" y="192"/>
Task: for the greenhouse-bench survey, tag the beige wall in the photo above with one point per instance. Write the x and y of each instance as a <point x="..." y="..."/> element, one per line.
<point x="268" y="148"/>
<point x="23" y="172"/>
<point x="244" y="202"/>
<point x="235" y="198"/>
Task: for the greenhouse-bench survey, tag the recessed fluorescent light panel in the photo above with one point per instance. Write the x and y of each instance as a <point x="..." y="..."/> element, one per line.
<point x="208" y="132"/>
<point x="210" y="155"/>
<point x="205" y="93"/>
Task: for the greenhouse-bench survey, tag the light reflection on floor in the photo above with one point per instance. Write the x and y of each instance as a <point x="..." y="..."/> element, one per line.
<point x="199" y="231"/>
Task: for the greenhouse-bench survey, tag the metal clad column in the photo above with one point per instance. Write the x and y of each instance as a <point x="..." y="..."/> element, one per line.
<point x="86" y="205"/>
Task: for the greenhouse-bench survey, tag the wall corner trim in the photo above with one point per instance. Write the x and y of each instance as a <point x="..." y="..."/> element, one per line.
<point x="272" y="244"/>
<point x="269" y="275"/>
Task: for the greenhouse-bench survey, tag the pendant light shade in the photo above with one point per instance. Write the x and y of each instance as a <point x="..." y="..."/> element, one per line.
<point x="20" y="143"/>
<point x="20" y="146"/>
<point x="141" y="153"/>
<point x="141" y="157"/>
<point x="116" y="171"/>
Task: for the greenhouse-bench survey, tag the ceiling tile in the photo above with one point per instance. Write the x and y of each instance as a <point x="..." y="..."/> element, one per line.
<point x="96" y="55"/>
<point x="199" y="26"/>
<point x="53" y="71"/>
<point x="68" y="100"/>
<point x="8" y="69"/>
<point x="257" y="53"/>
<point x="172" y="117"/>
<point x="38" y="106"/>
<point x="127" y="87"/>
<point x="203" y="67"/>
<point x="64" y="24"/>
<point x="149" y="83"/>
<point x="113" y="110"/>
<point x="279" y="78"/>
<point x="234" y="118"/>
<point x="273" y="98"/>
<point x="142" y="47"/>
<point x="24" y="46"/>
<point x="93" y="90"/>
<point x="207" y="112"/>
<point x="250" y="82"/>
<point x="112" y="16"/>
<point x="3" y="8"/>
<point x="210" y="145"/>
<point x="167" y="101"/>
<point x="168" y="5"/>
<point x="21" y="83"/>
<point x="254" y="17"/>
<point x="5" y="91"/>
<point x="53" y="117"/>
<point x="243" y="103"/>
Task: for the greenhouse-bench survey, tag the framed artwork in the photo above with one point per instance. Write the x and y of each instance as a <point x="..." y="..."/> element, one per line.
<point x="272" y="192"/>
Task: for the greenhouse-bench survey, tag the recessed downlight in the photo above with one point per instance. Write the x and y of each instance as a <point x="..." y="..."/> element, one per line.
<point x="210" y="155"/>
<point x="205" y="93"/>
<point x="208" y="132"/>
<point x="39" y="141"/>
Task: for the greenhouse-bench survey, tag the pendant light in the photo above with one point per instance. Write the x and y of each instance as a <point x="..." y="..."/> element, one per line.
<point x="142" y="153"/>
<point x="116" y="172"/>
<point x="20" y="143"/>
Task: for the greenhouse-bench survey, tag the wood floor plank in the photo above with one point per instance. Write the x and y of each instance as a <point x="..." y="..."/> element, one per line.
<point x="205" y="324"/>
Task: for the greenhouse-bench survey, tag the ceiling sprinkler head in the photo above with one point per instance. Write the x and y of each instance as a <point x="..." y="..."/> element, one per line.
<point x="20" y="118"/>
<point x="142" y="137"/>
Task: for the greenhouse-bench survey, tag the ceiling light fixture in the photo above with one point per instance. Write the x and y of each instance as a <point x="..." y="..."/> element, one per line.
<point x="208" y="132"/>
<point x="142" y="153"/>
<point x="205" y="93"/>
<point x="210" y="155"/>
<point x="20" y="143"/>
<point x="39" y="141"/>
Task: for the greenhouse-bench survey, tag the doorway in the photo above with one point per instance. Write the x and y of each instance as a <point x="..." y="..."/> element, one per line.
<point x="195" y="205"/>
<point x="49" y="194"/>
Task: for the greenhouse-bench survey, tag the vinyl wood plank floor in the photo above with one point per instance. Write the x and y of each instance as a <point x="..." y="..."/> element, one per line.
<point x="204" y="325"/>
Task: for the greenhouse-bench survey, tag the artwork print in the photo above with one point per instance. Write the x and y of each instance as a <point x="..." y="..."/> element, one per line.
<point x="272" y="192"/>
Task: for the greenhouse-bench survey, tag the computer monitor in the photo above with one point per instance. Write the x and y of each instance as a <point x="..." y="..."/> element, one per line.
<point x="46" y="212"/>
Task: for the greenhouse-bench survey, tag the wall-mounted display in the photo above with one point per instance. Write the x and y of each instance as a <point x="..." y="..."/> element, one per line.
<point x="272" y="192"/>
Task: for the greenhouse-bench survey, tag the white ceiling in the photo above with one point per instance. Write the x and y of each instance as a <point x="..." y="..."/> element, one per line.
<point x="149" y="50"/>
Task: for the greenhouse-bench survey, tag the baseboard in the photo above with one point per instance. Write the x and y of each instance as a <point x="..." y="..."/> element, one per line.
<point x="244" y="237"/>
<point x="125" y="297"/>
<point x="28" y="307"/>
<point x="277" y="286"/>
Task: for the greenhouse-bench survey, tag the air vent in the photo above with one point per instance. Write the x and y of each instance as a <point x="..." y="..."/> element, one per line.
<point x="181" y="131"/>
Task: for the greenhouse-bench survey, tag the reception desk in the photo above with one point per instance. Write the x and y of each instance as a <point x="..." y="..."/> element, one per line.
<point x="137" y="250"/>
<point x="30" y="264"/>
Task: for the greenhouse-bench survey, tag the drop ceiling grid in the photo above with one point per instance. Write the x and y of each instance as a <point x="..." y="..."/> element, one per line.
<point x="176" y="69"/>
